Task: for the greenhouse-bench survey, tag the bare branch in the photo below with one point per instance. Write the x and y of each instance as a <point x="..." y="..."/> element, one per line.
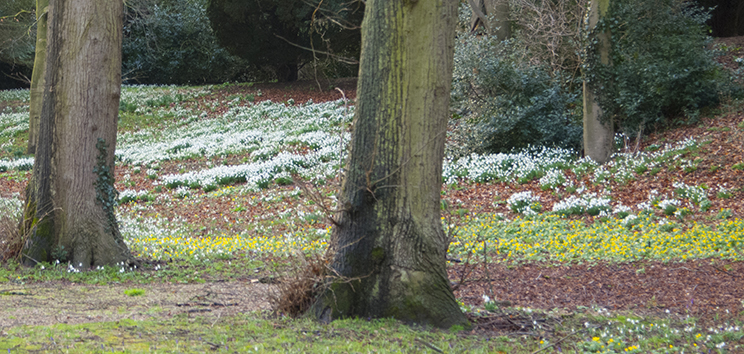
<point x="345" y="60"/>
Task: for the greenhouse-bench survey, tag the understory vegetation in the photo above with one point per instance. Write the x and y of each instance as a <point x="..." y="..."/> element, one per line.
<point x="216" y="185"/>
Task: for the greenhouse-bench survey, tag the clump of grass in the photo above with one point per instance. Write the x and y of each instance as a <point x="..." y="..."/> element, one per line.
<point x="300" y="286"/>
<point x="11" y="240"/>
<point x="134" y="292"/>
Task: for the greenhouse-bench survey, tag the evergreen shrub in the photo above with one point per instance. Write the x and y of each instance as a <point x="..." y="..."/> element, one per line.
<point x="505" y="101"/>
<point x="662" y="64"/>
<point x="168" y="42"/>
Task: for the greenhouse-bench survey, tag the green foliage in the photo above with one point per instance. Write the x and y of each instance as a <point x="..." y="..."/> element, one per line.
<point x="106" y="194"/>
<point x="59" y="253"/>
<point x="268" y="33"/>
<point x="661" y="65"/>
<point x="510" y="103"/>
<point x="553" y="239"/>
<point x="172" y="43"/>
<point x="17" y="41"/>
<point x="134" y="292"/>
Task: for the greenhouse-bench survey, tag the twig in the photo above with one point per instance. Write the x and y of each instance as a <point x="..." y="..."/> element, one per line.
<point x="344" y="60"/>
<point x="27" y="256"/>
<point x="431" y="346"/>
<point x="218" y="318"/>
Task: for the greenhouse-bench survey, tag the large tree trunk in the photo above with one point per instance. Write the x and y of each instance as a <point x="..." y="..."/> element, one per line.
<point x="598" y="130"/>
<point x="37" y="76"/>
<point x="70" y="197"/>
<point x="389" y="245"/>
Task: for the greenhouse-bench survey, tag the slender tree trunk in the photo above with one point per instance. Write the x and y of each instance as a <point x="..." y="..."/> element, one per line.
<point x="70" y="197"/>
<point x="598" y="132"/>
<point x="390" y="247"/>
<point x="483" y="10"/>
<point x="500" y="11"/>
<point x="37" y="77"/>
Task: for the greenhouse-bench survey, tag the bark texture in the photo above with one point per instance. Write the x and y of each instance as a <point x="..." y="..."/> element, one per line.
<point x="70" y="196"/>
<point x="390" y="247"/>
<point x="598" y="131"/>
<point x="37" y="76"/>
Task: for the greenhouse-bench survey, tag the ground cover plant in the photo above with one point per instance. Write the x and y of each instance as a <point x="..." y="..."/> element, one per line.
<point x="226" y="187"/>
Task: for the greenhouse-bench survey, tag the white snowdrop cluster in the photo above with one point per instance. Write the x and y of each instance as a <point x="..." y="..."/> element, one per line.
<point x="506" y="167"/>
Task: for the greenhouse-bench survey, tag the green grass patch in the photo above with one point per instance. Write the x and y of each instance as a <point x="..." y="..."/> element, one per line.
<point x="243" y="334"/>
<point x="585" y="331"/>
<point x="134" y="292"/>
<point x="176" y="271"/>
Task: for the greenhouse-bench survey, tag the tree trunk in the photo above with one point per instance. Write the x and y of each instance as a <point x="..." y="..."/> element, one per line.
<point x="494" y="9"/>
<point x="37" y="77"/>
<point x="389" y="243"/>
<point x="70" y="196"/>
<point x="598" y="131"/>
<point x="500" y="11"/>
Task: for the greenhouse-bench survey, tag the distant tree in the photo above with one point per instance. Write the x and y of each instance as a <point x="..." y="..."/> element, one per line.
<point x="17" y="36"/>
<point x="485" y="10"/>
<point x="37" y="77"/>
<point x="278" y="34"/>
<point x="598" y="130"/>
<point x="648" y="64"/>
<point x="390" y="248"/>
<point x="70" y="197"/>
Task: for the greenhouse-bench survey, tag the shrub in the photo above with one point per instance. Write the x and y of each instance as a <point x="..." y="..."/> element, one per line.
<point x="661" y="65"/>
<point x="510" y="103"/>
<point x="173" y="43"/>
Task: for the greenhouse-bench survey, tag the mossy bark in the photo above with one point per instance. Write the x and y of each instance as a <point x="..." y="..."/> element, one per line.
<point x="389" y="245"/>
<point x="37" y="76"/>
<point x="598" y="131"/>
<point x="69" y="217"/>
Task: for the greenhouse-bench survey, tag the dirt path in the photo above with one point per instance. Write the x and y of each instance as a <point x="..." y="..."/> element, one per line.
<point x="63" y="302"/>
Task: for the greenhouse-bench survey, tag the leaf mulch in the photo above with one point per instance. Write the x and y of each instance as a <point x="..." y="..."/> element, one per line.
<point x="700" y="288"/>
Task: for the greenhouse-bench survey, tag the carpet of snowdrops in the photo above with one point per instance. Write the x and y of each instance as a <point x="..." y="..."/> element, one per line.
<point x="249" y="153"/>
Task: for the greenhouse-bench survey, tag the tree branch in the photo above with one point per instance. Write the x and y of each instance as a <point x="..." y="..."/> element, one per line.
<point x="344" y="60"/>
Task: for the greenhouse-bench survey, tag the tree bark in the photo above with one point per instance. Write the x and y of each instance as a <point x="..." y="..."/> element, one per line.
<point x="70" y="196"/>
<point x="37" y="76"/>
<point x="389" y="243"/>
<point x="598" y="131"/>
<point x="496" y="9"/>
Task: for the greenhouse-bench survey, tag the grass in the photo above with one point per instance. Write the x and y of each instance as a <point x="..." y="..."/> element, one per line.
<point x="586" y="331"/>
<point x="243" y="334"/>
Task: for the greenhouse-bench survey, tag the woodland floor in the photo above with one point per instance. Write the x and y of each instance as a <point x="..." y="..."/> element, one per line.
<point x="706" y="289"/>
